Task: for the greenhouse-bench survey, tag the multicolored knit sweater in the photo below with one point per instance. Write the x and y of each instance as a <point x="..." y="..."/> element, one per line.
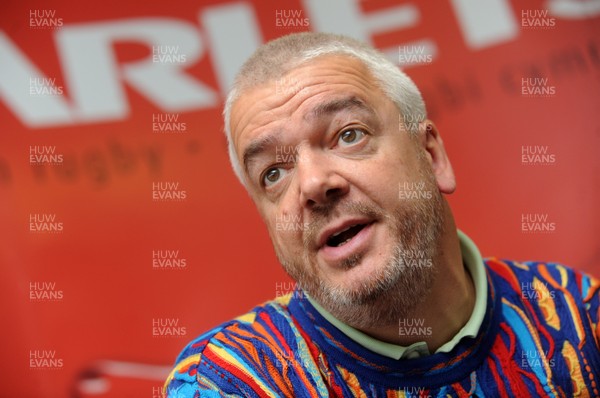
<point x="538" y="338"/>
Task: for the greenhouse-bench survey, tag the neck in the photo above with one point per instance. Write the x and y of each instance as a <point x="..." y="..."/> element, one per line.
<point x="447" y="307"/>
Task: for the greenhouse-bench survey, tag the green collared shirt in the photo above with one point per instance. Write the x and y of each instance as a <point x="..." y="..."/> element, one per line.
<point x="474" y="264"/>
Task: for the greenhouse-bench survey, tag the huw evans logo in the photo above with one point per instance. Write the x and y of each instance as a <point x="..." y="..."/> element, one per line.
<point x="414" y="327"/>
<point x="537" y="155"/>
<point x="167" y="327"/>
<point x="414" y="190"/>
<point x="410" y="122"/>
<point x="159" y="392"/>
<point x="44" y="291"/>
<point x="537" y="87"/>
<point x="167" y="123"/>
<point x="417" y="392"/>
<point x="44" y="19"/>
<point x="287" y="154"/>
<point x="285" y="288"/>
<point x="291" y="19"/>
<point x="167" y="55"/>
<point x="288" y="86"/>
<point x="415" y="259"/>
<point x="536" y="291"/>
<point x="42" y="86"/>
<point x="42" y="222"/>
<point x="535" y="359"/>
<point x="45" y="359"/>
<point x="537" y="223"/>
<point x="537" y="19"/>
<point x="414" y="55"/>
<point x="289" y="222"/>
<point x="168" y="191"/>
<point x="168" y="259"/>
<point x="44" y="155"/>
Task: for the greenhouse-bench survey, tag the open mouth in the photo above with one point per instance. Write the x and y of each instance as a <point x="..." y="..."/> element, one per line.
<point x="342" y="237"/>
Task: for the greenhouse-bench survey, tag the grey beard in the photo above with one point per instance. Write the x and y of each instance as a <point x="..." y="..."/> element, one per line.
<point x="398" y="288"/>
<point x="394" y="295"/>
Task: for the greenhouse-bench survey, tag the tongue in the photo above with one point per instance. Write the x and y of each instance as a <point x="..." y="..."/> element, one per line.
<point x="345" y="236"/>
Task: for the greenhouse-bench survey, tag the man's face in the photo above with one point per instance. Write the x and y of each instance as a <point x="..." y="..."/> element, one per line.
<point x="325" y="158"/>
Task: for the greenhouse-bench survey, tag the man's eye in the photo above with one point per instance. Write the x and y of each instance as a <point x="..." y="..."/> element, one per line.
<point x="272" y="175"/>
<point x="351" y="136"/>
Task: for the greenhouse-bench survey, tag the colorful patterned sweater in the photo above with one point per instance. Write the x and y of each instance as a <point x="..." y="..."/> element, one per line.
<point x="538" y="338"/>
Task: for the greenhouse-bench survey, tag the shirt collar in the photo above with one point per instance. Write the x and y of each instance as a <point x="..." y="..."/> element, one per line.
<point x="474" y="265"/>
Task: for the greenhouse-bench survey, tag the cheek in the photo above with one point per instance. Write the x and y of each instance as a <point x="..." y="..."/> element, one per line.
<point x="287" y="246"/>
<point x="284" y="224"/>
<point x="380" y="178"/>
<point x="284" y="236"/>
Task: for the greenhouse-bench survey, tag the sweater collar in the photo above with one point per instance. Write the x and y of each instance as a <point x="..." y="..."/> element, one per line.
<point x="335" y="350"/>
<point x="474" y="264"/>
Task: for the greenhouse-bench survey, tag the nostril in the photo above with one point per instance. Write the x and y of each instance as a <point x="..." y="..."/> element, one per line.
<point x="310" y="203"/>
<point x="333" y="193"/>
<point x="320" y="185"/>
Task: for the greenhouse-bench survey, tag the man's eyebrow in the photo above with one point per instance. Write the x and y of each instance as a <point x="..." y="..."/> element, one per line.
<point x="259" y="146"/>
<point x="347" y="103"/>
<point x="337" y="105"/>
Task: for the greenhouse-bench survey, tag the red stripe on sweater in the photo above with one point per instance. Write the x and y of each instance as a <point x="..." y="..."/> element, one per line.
<point x="233" y="370"/>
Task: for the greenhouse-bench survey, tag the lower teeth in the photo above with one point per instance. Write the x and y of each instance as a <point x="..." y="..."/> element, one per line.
<point x="344" y="242"/>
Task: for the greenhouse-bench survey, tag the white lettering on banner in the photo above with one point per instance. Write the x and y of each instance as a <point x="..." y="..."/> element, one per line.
<point x="15" y="73"/>
<point x="345" y="17"/>
<point x="94" y="81"/>
<point x="574" y="9"/>
<point x="229" y="51"/>
<point x="485" y="22"/>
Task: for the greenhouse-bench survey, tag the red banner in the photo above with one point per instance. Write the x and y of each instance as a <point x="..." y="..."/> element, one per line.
<point x="124" y="231"/>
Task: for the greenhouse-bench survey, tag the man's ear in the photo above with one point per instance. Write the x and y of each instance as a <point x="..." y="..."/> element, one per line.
<point x="431" y="141"/>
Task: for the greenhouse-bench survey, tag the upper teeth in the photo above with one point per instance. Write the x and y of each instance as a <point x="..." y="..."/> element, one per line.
<point x="344" y="230"/>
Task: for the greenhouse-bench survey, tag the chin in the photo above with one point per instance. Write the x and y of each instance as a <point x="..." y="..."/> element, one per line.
<point x="364" y="281"/>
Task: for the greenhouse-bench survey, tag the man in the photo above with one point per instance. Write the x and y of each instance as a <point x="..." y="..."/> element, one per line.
<point x="392" y="300"/>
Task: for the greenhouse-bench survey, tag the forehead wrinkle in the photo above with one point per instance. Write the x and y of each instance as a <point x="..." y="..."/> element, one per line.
<point x="350" y="102"/>
<point x="259" y="145"/>
<point x="336" y="105"/>
<point x="323" y="109"/>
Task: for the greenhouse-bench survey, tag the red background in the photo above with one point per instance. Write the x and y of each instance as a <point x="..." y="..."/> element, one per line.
<point x="102" y="261"/>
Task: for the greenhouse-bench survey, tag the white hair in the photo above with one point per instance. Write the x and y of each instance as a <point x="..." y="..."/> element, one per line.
<point x="275" y="58"/>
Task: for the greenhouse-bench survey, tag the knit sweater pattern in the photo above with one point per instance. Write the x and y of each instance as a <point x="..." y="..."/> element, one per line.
<point x="539" y="338"/>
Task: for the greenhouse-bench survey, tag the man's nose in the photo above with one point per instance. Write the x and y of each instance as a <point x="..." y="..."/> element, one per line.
<point x="319" y="178"/>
